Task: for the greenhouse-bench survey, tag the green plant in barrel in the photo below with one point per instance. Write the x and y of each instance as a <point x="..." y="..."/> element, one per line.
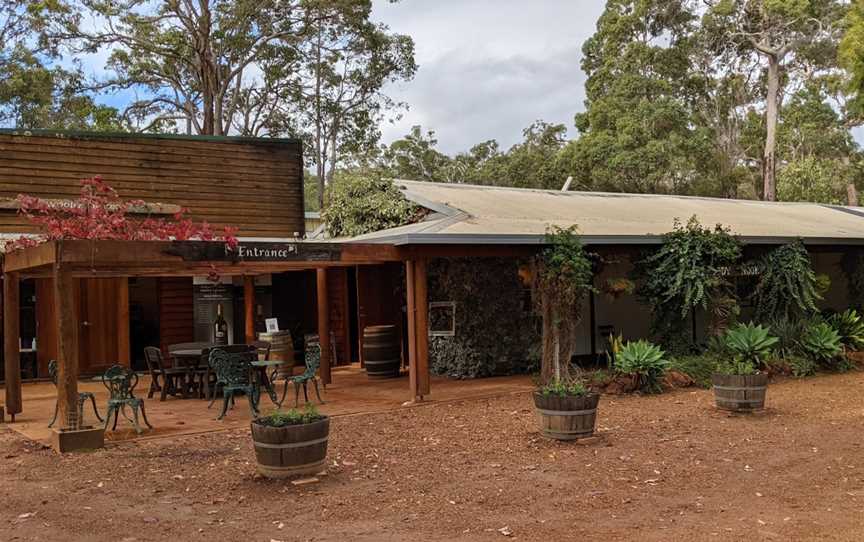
<point x="749" y="346"/>
<point x="645" y="361"/>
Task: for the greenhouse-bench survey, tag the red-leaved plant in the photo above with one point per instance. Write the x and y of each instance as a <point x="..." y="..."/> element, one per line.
<point x="100" y="214"/>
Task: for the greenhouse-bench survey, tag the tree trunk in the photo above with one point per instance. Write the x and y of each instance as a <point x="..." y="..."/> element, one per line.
<point x="769" y="183"/>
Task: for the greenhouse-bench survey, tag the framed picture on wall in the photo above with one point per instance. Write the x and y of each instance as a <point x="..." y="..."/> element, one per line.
<point x="442" y="319"/>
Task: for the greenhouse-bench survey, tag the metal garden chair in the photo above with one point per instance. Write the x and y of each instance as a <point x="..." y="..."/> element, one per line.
<point x="120" y="382"/>
<point x="167" y="381"/>
<point x="234" y="375"/>
<point x="83" y="396"/>
<point x="312" y="358"/>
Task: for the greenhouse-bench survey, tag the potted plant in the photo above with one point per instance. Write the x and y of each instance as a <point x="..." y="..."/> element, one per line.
<point x="739" y="382"/>
<point x="291" y="442"/>
<point x="562" y="276"/>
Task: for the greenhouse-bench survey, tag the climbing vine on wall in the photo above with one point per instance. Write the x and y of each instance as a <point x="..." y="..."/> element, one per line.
<point x="788" y="286"/>
<point x="496" y="331"/>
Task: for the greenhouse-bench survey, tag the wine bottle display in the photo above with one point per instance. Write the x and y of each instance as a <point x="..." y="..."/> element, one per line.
<point x="220" y="327"/>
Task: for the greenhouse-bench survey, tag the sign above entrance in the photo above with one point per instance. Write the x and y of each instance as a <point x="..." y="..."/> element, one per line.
<point x="209" y="251"/>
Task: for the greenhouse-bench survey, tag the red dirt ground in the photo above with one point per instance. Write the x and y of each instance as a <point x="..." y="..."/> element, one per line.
<point x="668" y="467"/>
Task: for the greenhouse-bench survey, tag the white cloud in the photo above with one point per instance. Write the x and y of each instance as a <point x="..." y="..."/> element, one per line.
<point x="490" y="68"/>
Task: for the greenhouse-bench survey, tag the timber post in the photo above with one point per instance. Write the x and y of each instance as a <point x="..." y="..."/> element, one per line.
<point x="65" y="290"/>
<point x="323" y="325"/>
<point x="413" y="382"/>
<point x="11" y="344"/>
<point x="418" y="328"/>
<point x="124" y="349"/>
<point x="249" y="307"/>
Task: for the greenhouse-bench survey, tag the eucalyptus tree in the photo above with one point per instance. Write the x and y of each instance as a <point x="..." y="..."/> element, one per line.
<point x="783" y="38"/>
<point x="187" y="60"/>
<point x="337" y="82"/>
<point x="637" y="133"/>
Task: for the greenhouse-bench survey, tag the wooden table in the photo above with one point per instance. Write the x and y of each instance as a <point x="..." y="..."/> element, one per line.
<point x="190" y="359"/>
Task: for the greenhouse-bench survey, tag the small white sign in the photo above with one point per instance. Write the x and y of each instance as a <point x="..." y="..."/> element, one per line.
<point x="272" y="325"/>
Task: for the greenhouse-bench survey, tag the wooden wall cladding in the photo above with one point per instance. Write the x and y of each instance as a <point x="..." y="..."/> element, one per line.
<point x="176" y="311"/>
<point x="337" y="297"/>
<point x="254" y="185"/>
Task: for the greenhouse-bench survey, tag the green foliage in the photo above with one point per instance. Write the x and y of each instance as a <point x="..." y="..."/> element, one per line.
<point x="822" y="344"/>
<point x="358" y="204"/>
<point x="813" y="179"/>
<point x="801" y="366"/>
<point x="496" y="330"/>
<point x="699" y="367"/>
<point x="570" y="387"/>
<point x="735" y="367"/>
<point x="284" y="418"/>
<point x="688" y="271"/>
<point x="788" y="332"/>
<point x="851" y="54"/>
<point x="850" y="327"/>
<point x="749" y="343"/>
<point x="787" y="284"/>
<point x="563" y="274"/>
<point x="644" y="360"/>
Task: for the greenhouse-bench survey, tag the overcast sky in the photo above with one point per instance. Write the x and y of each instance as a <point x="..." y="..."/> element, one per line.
<point x="489" y="68"/>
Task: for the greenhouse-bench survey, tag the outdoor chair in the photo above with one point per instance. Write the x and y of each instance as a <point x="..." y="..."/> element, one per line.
<point x="167" y="381"/>
<point x="120" y="382"/>
<point x="234" y="375"/>
<point x="312" y="358"/>
<point x="83" y="396"/>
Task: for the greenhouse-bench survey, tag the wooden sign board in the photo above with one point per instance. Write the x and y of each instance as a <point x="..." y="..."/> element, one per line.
<point x="213" y="251"/>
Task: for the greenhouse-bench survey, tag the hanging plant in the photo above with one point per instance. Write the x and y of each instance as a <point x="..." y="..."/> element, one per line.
<point x="788" y="287"/>
<point x="562" y="277"/>
<point x="690" y="270"/>
<point x="618" y="287"/>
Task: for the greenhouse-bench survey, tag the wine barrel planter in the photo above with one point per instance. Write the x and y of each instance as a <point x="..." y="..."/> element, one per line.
<point x="382" y="351"/>
<point x="740" y="392"/>
<point x="291" y="450"/>
<point x="567" y="418"/>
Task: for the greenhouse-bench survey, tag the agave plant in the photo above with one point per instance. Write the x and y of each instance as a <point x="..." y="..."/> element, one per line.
<point x="822" y="343"/>
<point x="749" y="344"/>
<point x="850" y="327"/>
<point x="644" y="360"/>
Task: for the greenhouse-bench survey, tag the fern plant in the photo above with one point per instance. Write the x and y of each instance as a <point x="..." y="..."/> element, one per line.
<point x="645" y="361"/>
<point x="749" y="343"/>
<point x="788" y="287"/>
<point x="821" y="343"/>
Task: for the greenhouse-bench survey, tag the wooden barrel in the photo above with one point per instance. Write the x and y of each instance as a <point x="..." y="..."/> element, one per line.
<point x="567" y="418"/>
<point x="381" y="351"/>
<point x="291" y="450"/>
<point x="740" y="392"/>
<point x="281" y="345"/>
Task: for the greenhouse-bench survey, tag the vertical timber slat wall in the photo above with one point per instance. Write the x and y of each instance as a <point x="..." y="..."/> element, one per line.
<point x="46" y="325"/>
<point x="176" y="311"/>
<point x="337" y="294"/>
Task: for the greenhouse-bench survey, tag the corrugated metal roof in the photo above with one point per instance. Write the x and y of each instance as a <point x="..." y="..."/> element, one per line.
<point x="469" y="214"/>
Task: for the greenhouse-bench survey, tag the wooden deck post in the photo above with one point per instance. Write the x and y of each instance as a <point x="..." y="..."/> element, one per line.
<point x="422" y="327"/>
<point x="11" y="346"/>
<point x="411" y="316"/>
<point x="249" y="307"/>
<point x="65" y="291"/>
<point x="323" y="325"/>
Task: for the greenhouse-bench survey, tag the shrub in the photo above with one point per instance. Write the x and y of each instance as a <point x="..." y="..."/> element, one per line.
<point x="358" y="204"/>
<point x="821" y="343"/>
<point x="850" y="328"/>
<point x="284" y="418"/>
<point x="788" y="332"/>
<point x="735" y="367"/>
<point x="801" y="366"/>
<point x="699" y="367"/>
<point x="787" y="287"/>
<point x="644" y="360"/>
<point x="569" y="387"/>
<point x="689" y="271"/>
<point x="749" y="343"/>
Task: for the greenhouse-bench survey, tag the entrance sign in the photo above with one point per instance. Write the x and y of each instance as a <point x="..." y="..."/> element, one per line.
<point x="203" y="251"/>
